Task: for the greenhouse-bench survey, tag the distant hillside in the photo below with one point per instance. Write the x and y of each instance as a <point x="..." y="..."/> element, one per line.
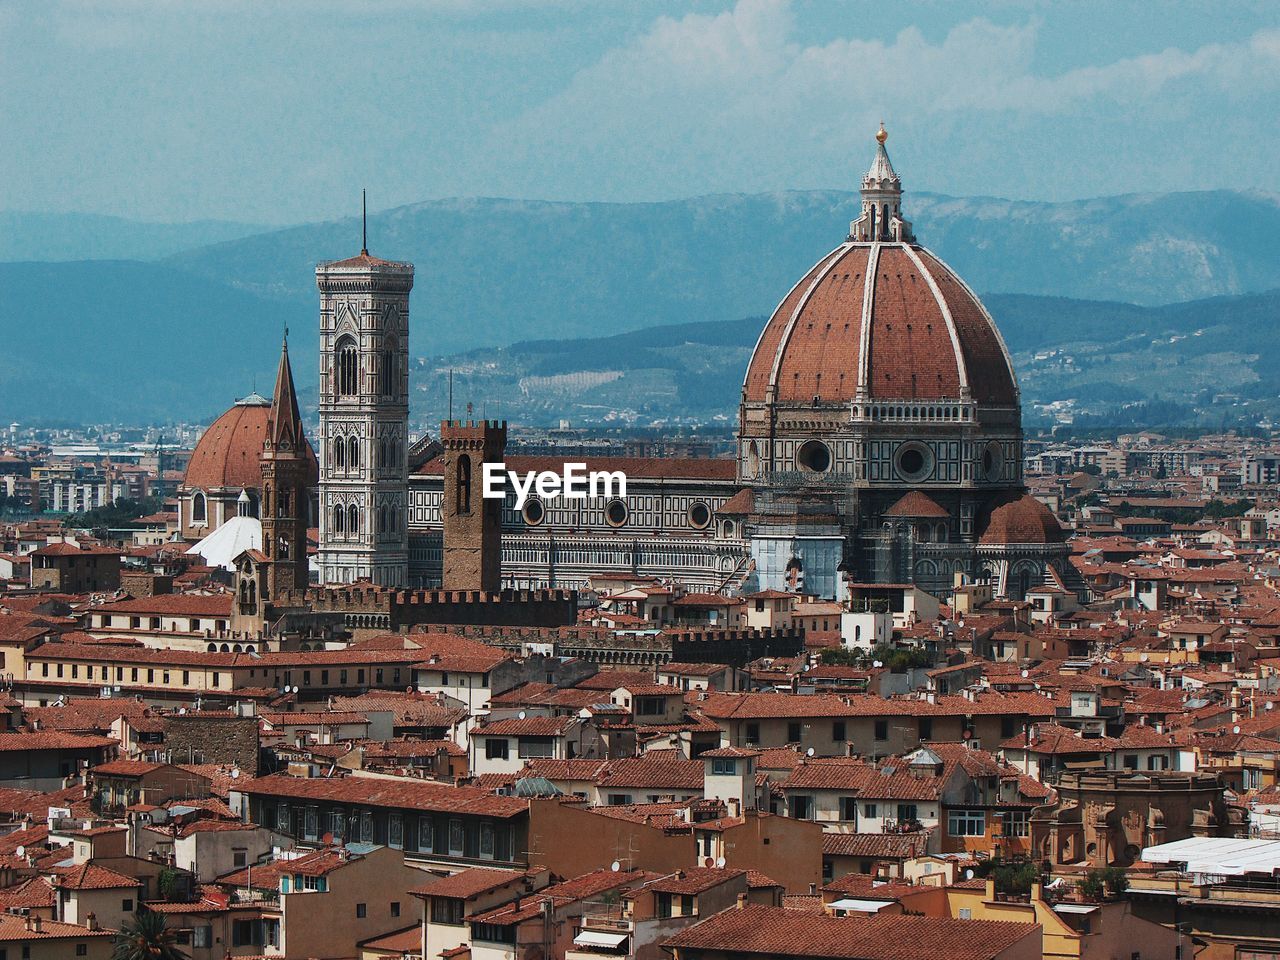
<point x="1207" y="361"/>
<point x="87" y="236"/>
<point x="184" y="334"/>
<point x="109" y="340"/>
<point x="491" y="272"/>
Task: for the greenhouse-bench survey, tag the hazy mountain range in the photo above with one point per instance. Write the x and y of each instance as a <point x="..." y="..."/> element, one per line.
<point x="1201" y="362"/>
<point x="106" y="319"/>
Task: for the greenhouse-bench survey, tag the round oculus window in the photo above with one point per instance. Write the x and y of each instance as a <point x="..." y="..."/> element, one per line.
<point x="699" y="515"/>
<point x="533" y="512"/>
<point x="814" y="456"/>
<point x="616" y="512"/>
<point x="992" y="461"/>
<point x="914" y="461"/>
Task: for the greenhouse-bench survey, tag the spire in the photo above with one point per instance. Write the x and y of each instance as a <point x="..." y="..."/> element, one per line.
<point x="364" y="223"/>
<point x="881" y="172"/>
<point x="881" y="218"/>
<point x="285" y="432"/>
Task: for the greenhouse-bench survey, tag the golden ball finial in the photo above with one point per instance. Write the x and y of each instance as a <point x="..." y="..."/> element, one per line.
<point x="882" y="134"/>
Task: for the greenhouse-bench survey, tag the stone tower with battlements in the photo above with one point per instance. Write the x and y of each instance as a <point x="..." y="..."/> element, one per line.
<point x="472" y="524"/>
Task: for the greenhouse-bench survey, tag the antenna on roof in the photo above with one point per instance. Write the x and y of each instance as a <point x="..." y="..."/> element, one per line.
<point x="364" y="223"/>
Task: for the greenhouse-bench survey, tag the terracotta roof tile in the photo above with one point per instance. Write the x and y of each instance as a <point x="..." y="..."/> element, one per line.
<point x="786" y="933"/>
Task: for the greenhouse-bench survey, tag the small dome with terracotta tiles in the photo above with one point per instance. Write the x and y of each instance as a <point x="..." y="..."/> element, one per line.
<point x="229" y="453"/>
<point x="1022" y="519"/>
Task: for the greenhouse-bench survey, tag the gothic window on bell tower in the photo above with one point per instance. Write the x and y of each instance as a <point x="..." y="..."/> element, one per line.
<point x="387" y="369"/>
<point x="348" y="363"/>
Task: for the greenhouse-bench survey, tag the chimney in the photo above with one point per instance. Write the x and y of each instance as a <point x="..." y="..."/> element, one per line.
<point x="813" y="889"/>
<point x="35" y="923"/>
<point x="91" y="921"/>
<point x="742" y="901"/>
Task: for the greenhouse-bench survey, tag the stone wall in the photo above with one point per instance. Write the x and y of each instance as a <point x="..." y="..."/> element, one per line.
<point x="230" y="740"/>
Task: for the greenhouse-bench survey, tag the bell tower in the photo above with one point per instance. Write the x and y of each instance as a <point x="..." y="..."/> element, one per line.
<point x="364" y="420"/>
<point x="285" y="494"/>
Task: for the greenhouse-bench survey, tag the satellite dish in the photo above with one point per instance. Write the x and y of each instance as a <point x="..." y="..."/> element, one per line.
<point x="876" y="663"/>
<point x="968" y="874"/>
<point x="615" y="866"/>
<point x="295" y="689"/>
<point x="182" y="710"/>
<point x="1025" y="674"/>
<point x="720" y="862"/>
<point x="809" y="752"/>
<point x="1271" y="705"/>
<point x="521" y="714"/>
<point x="1144" y="658"/>
<point x="21" y="851"/>
<point x="235" y="773"/>
<point x="1236" y="728"/>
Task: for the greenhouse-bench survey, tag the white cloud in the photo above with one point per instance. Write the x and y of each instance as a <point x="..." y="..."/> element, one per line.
<point x="704" y="84"/>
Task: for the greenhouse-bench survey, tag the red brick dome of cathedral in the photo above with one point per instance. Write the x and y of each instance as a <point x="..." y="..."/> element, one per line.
<point x="229" y="453"/>
<point x="1022" y="519"/>
<point x="891" y="319"/>
<point x="880" y="318"/>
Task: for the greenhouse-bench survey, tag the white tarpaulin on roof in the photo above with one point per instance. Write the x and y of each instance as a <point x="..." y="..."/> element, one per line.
<point x="590" y="938"/>
<point x="1221" y="856"/>
<point x="853" y="904"/>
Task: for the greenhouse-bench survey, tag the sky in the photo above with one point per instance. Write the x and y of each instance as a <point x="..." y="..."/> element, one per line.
<point x="279" y="112"/>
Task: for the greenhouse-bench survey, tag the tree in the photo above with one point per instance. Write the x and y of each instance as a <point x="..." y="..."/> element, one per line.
<point x="1092" y="886"/>
<point x="1014" y="876"/>
<point x="1116" y="879"/>
<point x="148" y="937"/>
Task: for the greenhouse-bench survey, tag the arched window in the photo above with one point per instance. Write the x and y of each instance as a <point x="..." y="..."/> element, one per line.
<point x="353" y="520"/>
<point x="387" y="369"/>
<point x="284" y="548"/>
<point x="382" y="519"/>
<point x="198" y="508"/>
<point x="338" y="517"/>
<point x="339" y="452"/>
<point x="353" y="453"/>
<point x="348" y="367"/>
<point x="463" y="504"/>
<point x="382" y="452"/>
